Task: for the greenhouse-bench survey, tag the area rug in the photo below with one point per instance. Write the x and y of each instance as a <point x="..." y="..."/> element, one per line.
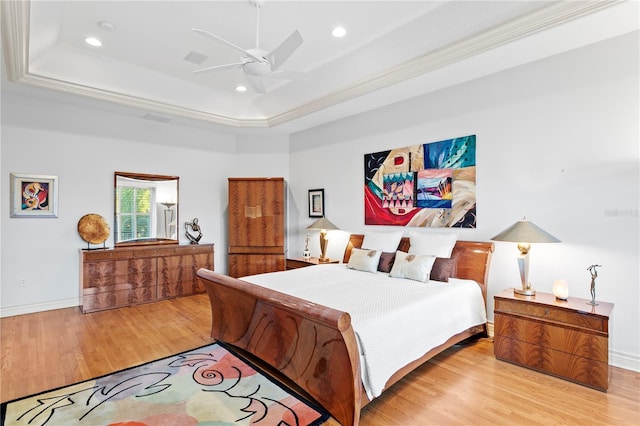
<point x="207" y="386"/>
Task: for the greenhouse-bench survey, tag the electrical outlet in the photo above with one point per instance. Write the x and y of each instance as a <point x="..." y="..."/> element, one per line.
<point x="22" y="282"/>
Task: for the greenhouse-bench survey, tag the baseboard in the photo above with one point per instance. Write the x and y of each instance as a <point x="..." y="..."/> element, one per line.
<point x="39" y="307"/>
<point x="616" y="359"/>
<point x="623" y="360"/>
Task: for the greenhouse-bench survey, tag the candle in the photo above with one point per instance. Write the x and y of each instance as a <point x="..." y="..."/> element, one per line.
<point x="561" y="289"/>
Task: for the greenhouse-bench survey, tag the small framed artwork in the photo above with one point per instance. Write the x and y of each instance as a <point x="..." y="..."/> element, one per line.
<point x="316" y="203"/>
<point x="34" y="195"/>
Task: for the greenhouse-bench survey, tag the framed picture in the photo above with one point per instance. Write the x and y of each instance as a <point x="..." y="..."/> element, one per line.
<point x="316" y="203"/>
<point x="34" y="195"/>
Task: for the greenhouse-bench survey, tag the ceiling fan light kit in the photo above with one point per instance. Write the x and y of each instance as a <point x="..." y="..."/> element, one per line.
<point x="256" y="62"/>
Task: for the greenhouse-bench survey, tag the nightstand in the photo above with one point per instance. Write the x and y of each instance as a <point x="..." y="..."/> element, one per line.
<point x="301" y="262"/>
<point x="568" y="339"/>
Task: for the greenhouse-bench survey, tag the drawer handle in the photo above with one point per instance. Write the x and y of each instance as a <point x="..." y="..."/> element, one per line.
<point x="546" y="312"/>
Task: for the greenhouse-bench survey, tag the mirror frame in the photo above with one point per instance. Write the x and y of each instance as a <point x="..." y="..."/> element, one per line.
<point x="146" y="241"/>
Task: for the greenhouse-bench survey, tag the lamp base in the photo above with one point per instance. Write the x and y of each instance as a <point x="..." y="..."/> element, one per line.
<point x="324" y="260"/>
<point x="524" y="292"/>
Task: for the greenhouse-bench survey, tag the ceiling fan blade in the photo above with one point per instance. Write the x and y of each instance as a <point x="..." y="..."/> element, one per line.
<point x="228" y="43"/>
<point x="283" y="74"/>
<point x="255" y="82"/>
<point x="281" y="53"/>
<point x="219" y="67"/>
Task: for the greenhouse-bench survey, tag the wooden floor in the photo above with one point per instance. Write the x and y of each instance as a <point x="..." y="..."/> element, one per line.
<point x="464" y="385"/>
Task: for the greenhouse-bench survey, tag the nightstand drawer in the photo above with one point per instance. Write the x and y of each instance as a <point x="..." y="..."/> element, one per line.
<point x="297" y="263"/>
<point x="575" y="341"/>
<point x="552" y="313"/>
<point x="303" y="262"/>
<point x="565" y="365"/>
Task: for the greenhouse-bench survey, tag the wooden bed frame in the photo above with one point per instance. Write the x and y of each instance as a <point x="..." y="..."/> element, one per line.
<point x="312" y="345"/>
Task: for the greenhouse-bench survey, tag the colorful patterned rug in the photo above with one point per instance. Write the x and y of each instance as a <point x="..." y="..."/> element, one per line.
<point x="206" y="386"/>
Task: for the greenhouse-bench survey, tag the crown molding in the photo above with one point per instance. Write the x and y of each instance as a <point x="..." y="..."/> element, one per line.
<point x="546" y="18"/>
<point x="137" y="102"/>
<point x="15" y="37"/>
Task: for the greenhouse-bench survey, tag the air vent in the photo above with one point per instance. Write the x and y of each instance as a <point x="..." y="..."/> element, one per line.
<point x="196" y="58"/>
<point x="159" y="118"/>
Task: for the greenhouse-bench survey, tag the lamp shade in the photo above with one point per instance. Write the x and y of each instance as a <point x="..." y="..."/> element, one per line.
<point x="323" y="223"/>
<point x="525" y="231"/>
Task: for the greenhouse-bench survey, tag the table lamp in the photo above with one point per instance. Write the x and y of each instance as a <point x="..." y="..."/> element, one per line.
<point x="524" y="233"/>
<point x="324" y="225"/>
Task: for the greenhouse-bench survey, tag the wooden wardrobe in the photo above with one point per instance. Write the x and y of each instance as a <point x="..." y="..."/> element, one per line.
<point x="256" y="226"/>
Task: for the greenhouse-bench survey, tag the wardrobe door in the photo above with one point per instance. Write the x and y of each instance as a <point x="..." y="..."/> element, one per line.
<point x="256" y="226"/>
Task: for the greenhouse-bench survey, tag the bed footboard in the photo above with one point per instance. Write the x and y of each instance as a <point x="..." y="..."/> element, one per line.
<point x="312" y="345"/>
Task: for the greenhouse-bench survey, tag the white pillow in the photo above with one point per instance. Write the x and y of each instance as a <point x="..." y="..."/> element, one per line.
<point x="385" y="241"/>
<point x="412" y="266"/>
<point x="439" y="245"/>
<point x="364" y="260"/>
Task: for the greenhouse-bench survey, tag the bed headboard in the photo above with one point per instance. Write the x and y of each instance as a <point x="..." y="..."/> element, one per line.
<point x="474" y="257"/>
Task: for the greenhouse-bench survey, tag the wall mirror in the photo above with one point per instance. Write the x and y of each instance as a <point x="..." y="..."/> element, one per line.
<point x="146" y="209"/>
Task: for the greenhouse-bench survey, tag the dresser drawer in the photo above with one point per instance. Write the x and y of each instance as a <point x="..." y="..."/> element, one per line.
<point x="108" y="275"/>
<point x="192" y="261"/>
<point x="116" y="298"/>
<point x="552" y="313"/>
<point x="576" y="341"/>
<point x="101" y="255"/>
<point x="174" y="288"/>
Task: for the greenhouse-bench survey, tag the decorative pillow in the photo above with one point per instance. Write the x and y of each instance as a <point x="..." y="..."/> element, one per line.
<point x="443" y="268"/>
<point x="364" y="260"/>
<point x="385" y="241"/>
<point x="386" y="261"/>
<point x="439" y="245"/>
<point x="412" y="266"/>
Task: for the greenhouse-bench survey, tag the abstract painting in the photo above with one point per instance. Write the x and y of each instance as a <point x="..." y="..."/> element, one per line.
<point x="34" y="195"/>
<point x="431" y="185"/>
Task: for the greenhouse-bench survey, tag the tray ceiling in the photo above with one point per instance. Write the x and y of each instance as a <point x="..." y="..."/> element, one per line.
<point x="393" y="50"/>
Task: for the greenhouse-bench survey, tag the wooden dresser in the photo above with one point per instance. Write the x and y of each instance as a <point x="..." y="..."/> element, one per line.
<point x="567" y="339"/>
<point x="256" y="226"/>
<point x="129" y="276"/>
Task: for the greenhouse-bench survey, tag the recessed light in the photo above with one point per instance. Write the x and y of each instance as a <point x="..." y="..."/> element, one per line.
<point x="240" y="88"/>
<point x="92" y="41"/>
<point x="338" y="32"/>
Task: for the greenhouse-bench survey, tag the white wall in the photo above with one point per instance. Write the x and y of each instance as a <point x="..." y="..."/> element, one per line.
<point x="557" y="141"/>
<point x="83" y="148"/>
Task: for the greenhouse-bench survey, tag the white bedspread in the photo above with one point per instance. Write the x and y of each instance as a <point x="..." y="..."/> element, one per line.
<point x="395" y="320"/>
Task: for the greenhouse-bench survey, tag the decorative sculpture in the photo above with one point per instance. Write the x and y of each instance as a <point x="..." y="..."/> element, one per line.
<point x="594" y="274"/>
<point x="195" y="228"/>
<point x="306" y="253"/>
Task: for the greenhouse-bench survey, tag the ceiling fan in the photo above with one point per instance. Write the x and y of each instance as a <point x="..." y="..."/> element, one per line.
<point x="256" y="62"/>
